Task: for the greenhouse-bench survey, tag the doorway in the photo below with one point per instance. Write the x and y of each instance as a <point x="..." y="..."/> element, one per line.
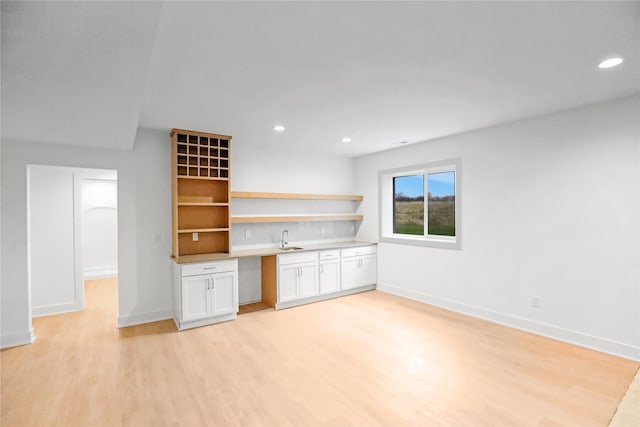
<point x="72" y="238"/>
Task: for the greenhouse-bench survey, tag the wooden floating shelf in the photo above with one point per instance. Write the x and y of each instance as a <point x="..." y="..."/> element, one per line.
<point x="201" y="204"/>
<point x="202" y="230"/>
<point x="244" y="219"/>
<point x="299" y="196"/>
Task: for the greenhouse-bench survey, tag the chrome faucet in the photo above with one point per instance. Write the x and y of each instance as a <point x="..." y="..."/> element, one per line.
<point x="283" y="241"/>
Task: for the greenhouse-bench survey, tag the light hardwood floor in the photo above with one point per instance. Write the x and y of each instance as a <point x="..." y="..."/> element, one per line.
<point x="368" y="359"/>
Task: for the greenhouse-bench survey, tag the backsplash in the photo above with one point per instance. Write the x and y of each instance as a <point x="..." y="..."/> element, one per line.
<point x="245" y="236"/>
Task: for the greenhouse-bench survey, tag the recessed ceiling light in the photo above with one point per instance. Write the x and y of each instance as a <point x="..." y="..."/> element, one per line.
<point x="611" y="62"/>
<point x="346" y="139"/>
<point x="278" y="128"/>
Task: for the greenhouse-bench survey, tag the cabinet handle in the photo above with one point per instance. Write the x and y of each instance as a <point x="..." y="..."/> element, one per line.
<point x="208" y="284"/>
<point x="209" y="268"/>
<point x="213" y="283"/>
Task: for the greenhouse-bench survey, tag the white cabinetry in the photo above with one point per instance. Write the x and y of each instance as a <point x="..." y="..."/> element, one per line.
<point x="359" y="267"/>
<point x="205" y="293"/>
<point x="196" y="298"/>
<point x="329" y="272"/>
<point x="305" y="277"/>
<point x="224" y="293"/>
<point x="297" y="276"/>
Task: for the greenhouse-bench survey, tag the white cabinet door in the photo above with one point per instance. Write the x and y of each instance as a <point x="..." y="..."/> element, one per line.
<point x="196" y="298"/>
<point x="288" y="282"/>
<point x="223" y="290"/>
<point x="359" y="271"/>
<point x="350" y="272"/>
<point x="308" y="280"/>
<point x="368" y="270"/>
<point x="329" y="277"/>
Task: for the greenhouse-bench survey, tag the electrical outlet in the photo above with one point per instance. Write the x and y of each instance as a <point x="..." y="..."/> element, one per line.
<point x="322" y="230"/>
<point x="194" y="237"/>
<point x="535" y="302"/>
<point x="247" y="234"/>
<point x="353" y="227"/>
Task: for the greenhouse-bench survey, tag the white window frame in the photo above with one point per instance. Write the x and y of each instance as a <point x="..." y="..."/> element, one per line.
<point x="386" y="199"/>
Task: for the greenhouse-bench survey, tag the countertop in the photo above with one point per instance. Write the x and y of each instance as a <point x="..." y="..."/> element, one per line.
<point x="186" y="259"/>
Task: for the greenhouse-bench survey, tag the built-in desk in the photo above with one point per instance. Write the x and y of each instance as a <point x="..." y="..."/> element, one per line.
<point x="298" y="274"/>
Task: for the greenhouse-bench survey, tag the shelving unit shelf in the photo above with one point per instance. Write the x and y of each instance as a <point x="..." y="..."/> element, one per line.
<point x="243" y="219"/>
<point x="200" y="192"/>
<point x="298" y="196"/>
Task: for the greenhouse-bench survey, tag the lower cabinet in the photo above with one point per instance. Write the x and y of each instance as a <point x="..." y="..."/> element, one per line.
<point x="359" y="267"/>
<point x="305" y="277"/>
<point x="297" y="276"/>
<point x="329" y="272"/>
<point x="205" y="293"/>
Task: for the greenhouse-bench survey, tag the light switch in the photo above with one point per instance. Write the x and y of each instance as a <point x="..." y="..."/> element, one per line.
<point x="194" y="237"/>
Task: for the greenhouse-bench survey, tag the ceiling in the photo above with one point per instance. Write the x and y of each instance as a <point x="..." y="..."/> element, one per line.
<point x="91" y="73"/>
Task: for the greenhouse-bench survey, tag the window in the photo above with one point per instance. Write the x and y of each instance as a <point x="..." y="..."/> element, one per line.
<point x="407" y="216"/>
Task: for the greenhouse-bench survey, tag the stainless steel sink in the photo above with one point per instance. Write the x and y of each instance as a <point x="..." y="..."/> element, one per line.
<point x="291" y="248"/>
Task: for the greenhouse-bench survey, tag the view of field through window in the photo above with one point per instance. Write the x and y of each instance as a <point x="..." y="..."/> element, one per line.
<point x="408" y="204"/>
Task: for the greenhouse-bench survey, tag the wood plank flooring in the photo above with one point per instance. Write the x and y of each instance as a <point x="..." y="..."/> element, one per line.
<point x="253" y="307"/>
<point x="369" y="359"/>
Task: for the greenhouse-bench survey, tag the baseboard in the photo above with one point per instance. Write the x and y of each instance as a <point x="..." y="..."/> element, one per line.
<point x="205" y="322"/>
<point x="140" y="318"/>
<point x="566" y="335"/>
<point x="21" y="338"/>
<point x="289" y="304"/>
<point x="100" y="273"/>
<point x="48" y="310"/>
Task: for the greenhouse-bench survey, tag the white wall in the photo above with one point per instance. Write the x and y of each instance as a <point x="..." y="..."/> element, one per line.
<point x="550" y="208"/>
<point x="144" y="215"/>
<point x="287" y="171"/>
<point x="99" y="228"/>
<point x="52" y="258"/>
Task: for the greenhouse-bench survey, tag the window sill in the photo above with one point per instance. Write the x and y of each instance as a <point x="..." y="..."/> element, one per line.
<point x="429" y="242"/>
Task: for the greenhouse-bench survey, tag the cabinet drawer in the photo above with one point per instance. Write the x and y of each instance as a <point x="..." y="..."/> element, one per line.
<point x="209" y="267"/>
<point x="360" y="250"/>
<point x="297" y="257"/>
<point x="329" y="255"/>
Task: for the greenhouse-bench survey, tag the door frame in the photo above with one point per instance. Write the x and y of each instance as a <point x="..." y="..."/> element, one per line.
<point x="78" y="178"/>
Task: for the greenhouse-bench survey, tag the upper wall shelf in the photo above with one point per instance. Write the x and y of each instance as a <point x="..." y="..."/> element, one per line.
<point x="244" y="219"/>
<point x="298" y="196"/>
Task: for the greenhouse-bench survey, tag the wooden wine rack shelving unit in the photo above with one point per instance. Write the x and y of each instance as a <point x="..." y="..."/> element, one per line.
<point x="200" y="192"/>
